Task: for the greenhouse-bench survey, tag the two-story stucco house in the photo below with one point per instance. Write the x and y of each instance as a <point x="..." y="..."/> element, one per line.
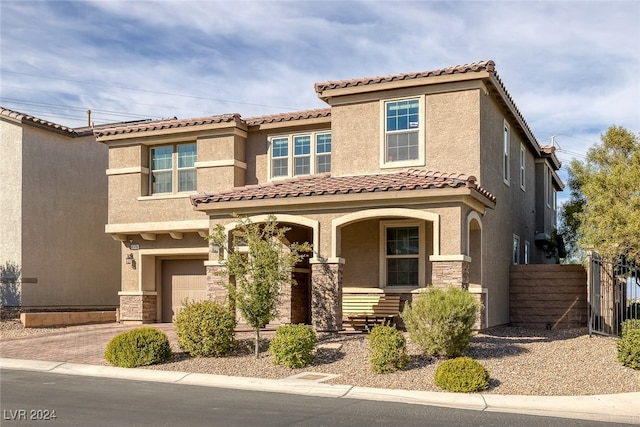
<point x="53" y="205"/>
<point x="402" y="182"/>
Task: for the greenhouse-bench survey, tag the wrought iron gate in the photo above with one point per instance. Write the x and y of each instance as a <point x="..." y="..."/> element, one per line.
<point x="614" y="295"/>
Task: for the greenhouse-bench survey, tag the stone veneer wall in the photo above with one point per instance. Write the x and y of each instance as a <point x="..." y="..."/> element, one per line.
<point x="548" y="296"/>
<point x="445" y="273"/>
<point x="326" y="296"/>
<point x="138" y="308"/>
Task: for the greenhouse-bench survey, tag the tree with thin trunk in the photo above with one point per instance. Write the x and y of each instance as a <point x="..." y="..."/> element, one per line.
<point x="603" y="212"/>
<point x="260" y="261"/>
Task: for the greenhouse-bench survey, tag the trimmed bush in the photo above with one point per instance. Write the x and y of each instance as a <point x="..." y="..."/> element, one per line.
<point x="462" y="374"/>
<point x="440" y="321"/>
<point x="629" y="348"/>
<point x="388" y="349"/>
<point x="629" y="325"/>
<point x="138" y="347"/>
<point x="293" y="345"/>
<point x="206" y="328"/>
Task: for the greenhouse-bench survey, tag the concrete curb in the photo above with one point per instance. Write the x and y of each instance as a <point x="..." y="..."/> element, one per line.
<point x="618" y="408"/>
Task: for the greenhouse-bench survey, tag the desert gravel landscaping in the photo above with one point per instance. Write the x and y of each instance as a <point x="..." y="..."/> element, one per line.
<point x="520" y="361"/>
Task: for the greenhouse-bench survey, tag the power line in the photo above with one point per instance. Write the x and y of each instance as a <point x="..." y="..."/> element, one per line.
<point x="2" y="70"/>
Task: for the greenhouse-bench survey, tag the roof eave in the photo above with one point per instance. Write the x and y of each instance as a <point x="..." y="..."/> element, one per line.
<point x="469" y="196"/>
<point x="328" y="94"/>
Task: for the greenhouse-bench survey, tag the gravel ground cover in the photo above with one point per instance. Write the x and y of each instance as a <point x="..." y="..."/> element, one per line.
<point x="520" y="361"/>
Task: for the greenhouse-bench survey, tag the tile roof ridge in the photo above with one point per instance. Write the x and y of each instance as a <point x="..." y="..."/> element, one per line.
<point x="486" y="65"/>
<point x="22" y="117"/>
<point x="166" y="123"/>
<point x="294" y="115"/>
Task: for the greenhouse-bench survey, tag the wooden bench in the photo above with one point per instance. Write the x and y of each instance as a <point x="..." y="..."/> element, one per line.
<point x="364" y="311"/>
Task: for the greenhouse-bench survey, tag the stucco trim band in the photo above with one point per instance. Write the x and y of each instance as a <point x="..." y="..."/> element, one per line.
<point x="157" y="227"/>
<point x="221" y="163"/>
<point x="126" y="171"/>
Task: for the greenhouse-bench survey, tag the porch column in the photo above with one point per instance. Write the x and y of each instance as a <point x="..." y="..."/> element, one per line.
<point x="138" y="307"/>
<point x="217" y="282"/>
<point x="450" y="270"/>
<point x="326" y="293"/>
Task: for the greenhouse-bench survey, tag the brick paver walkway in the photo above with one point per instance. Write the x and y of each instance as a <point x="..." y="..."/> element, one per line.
<point x="78" y="344"/>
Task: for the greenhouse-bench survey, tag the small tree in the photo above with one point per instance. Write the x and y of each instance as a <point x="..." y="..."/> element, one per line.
<point x="260" y="273"/>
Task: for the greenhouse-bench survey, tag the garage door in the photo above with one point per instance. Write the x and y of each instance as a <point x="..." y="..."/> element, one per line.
<point x="182" y="279"/>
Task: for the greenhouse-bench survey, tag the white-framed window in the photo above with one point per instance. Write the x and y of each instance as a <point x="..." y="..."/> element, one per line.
<point x="173" y="168"/>
<point x="506" y="143"/>
<point x="402" y="130"/>
<point x="299" y="154"/>
<point x="402" y="253"/>
<point x="523" y="168"/>
<point x="526" y="252"/>
<point x="516" y="250"/>
<point x="550" y="191"/>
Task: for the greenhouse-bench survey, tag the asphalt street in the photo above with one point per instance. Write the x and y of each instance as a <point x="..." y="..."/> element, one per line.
<point x="48" y="399"/>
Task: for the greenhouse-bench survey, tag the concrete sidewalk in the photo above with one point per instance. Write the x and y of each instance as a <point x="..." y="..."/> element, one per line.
<point x="615" y="408"/>
<point x="80" y="351"/>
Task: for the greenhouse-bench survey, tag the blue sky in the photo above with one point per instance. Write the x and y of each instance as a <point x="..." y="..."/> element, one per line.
<point x="572" y="67"/>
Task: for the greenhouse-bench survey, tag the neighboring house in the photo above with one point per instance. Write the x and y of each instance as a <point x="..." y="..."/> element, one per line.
<point x="405" y="181"/>
<point x="53" y="206"/>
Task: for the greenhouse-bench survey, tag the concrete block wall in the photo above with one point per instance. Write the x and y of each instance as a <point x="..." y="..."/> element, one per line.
<point x="548" y="296"/>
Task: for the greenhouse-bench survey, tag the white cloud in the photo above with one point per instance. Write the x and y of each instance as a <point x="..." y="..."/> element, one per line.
<point x="571" y="67"/>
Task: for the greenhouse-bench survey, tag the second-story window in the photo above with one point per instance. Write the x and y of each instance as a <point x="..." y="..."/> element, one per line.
<point x="300" y="154"/>
<point x="506" y="142"/>
<point x="402" y="130"/>
<point x="173" y="168"/>
<point x="523" y="160"/>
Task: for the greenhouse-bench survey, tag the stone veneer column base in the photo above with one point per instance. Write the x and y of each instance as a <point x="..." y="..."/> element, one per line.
<point x="217" y="284"/>
<point x="138" y="307"/>
<point x="326" y="294"/>
<point x="450" y="271"/>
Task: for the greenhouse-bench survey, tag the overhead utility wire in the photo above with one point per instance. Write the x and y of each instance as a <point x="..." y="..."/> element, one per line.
<point x="145" y="90"/>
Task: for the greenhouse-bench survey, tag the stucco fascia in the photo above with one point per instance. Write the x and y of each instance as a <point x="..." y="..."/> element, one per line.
<point x="175" y="134"/>
<point x="359" y="200"/>
<point x="330" y="94"/>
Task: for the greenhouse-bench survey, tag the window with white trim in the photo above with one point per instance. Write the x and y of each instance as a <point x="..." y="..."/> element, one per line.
<point x="402" y="254"/>
<point x="506" y="142"/>
<point x="299" y="154"/>
<point x="403" y="132"/>
<point x="526" y="252"/>
<point x="516" y="250"/>
<point x="523" y="161"/>
<point x="550" y="189"/>
<point x="173" y="168"/>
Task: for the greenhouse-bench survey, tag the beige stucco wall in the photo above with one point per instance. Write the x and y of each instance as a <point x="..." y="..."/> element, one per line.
<point x="63" y="214"/>
<point x="355" y="128"/>
<point x="10" y="193"/>
<point x="453" y="132"/>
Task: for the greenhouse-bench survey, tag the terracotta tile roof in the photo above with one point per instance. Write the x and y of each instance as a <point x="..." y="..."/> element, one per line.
<point x="170" y="123"/>
<point x="325" y="184"/>
<point x="488" y="66"/>
<point x="22" y="117"/>
<point x="548" y="149"/>
<point x="285" y="117"/>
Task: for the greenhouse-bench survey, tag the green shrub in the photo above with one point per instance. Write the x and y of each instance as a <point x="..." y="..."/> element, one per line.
<point x="440" y="321"/>
<point x="206" y="328"/>
<point x="462" y="374"/>
<point x="388" y="349"/>
<point x="138" y="347"/>
<point x="293" y="345"/>
<point x="629" y="325"/>
<point x="629" y="349"/>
